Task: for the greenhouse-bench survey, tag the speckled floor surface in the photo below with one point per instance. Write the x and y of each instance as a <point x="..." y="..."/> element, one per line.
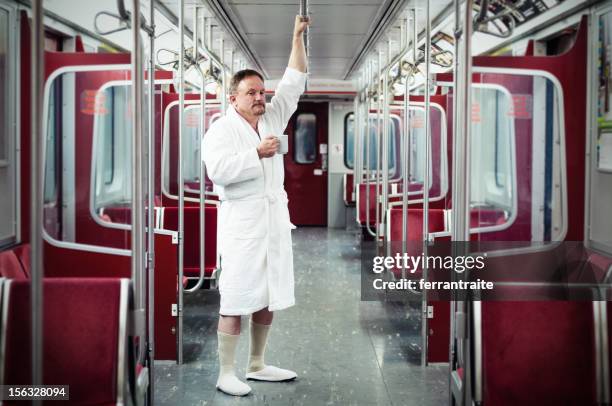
<point x="345" y="351"/>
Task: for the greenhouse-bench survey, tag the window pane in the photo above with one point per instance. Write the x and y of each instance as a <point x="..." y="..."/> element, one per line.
<point x="305" y="138"/>
<point x="191" y="146"/>
<point x="113" y="150"/>
<point x="349" y="140"/>
<point x="491" y="149"/>
<point x="373" y="145"/>
<point x="4" y="36"/>
<point x="51" y="153"/>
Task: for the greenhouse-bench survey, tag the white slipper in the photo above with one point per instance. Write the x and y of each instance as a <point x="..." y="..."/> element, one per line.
<point x="231" y="385"/>
<point x="270" y="373"/>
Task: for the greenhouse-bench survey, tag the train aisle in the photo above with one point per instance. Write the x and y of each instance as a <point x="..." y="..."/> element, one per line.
<point x="345" y="351"/>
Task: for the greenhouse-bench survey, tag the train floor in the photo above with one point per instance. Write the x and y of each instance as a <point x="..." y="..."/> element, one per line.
<point x="344" y="350"/>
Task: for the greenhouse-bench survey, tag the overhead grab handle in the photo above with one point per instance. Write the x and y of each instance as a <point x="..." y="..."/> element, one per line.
<point x="123" y="24"/>
<point x="481" y="21"/>
<point x="124" y="18"/>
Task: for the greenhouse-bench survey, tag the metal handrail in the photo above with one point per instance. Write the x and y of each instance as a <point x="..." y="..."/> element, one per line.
<point x="125" y="18"/>
<point x="481" y="22"/>
<point x="426" y="165"/>
<point x="150" y="263"/>
<point x="36" y="203"/>
<point x="459" y="343"/>
<point x="202" y="204"/>
<point x="368" y="160"/>
<point x="138" y="273"/>
<point x="181" y="186"/>
<point x="379" y="131"/>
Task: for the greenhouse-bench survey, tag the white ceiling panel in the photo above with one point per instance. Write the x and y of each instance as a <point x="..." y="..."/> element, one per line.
<point x="334" y="38"/>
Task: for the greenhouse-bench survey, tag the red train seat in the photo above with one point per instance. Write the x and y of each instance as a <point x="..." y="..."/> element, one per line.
<point x="348" y="190"/>
<point x="536" y="353"/>
<point x="414" y="230"/>
<point x="11" y="267"/>
<point x="85" y="337"/>
<point x="23" y="254"/>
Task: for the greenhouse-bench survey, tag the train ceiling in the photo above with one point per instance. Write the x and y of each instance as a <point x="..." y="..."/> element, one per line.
<point x="344" y="33"/>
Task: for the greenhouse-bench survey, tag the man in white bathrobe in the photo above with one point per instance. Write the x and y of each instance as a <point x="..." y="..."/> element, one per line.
<point x="254" y="239"/>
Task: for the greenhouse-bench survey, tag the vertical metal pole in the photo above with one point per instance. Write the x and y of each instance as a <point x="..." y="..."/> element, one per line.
<point x="209" y="42"/>
<point x="407" y="134"/>
<point x="151" y="204"/>
<point x="137" y="177"/>
<point x="202" y="183"/>
<point x="181" y="186"/>
<point x="461" y="182"/>
<point x="223" y="76"/>
<point x="385" y="146"/>
<point x="454" y="305"/>
<point x="36" y="198"/>
<point x="378" y="144"/>
<point x="426" y="166"/>
<point x="356" y="133"/>
<point x="368" y="160"/>
<point x="201" y="212"/>
<point x="304" y="12"/>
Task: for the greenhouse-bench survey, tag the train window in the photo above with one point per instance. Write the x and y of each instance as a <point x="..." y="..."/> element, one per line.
<point x="492" y="152"/>
<point x="600" y="201"/>
<point x="305" y="139"/>
<point x="192" y="128"/>
<point x="349" y="139"/>
<point x="87" y="159"/>
<point x="112" y="149"/>
<point x="8" y="135"/>
<point x="3" y="88"/>
<point x="191" y="147"/>
<point x="417" y="157"/>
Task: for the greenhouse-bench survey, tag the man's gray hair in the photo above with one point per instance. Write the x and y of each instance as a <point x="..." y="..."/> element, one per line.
<point x="240" y="76"/>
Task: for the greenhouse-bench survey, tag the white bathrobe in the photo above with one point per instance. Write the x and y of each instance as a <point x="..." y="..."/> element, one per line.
<point x="254" y="230"/>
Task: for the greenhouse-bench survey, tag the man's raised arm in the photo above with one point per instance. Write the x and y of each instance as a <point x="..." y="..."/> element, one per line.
<point x="297" y="59"/>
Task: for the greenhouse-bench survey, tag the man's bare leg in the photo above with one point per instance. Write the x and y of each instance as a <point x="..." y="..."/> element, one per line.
<point x="263" y="316"/>
<point x="229" y="325"/>
<point x="228" y="333"/>
<point x="257" y="369"/>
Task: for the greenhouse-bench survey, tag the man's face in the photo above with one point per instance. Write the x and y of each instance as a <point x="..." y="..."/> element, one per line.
<point x="250" y="97"/>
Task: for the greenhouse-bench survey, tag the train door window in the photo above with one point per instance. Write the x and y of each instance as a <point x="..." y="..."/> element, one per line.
<point x="373" y="144"/>
<point x="8" y="133"/>
<point x="349" y="140"/>
<point x="112" y="151"/>
<point x="417" y="148"/>
<point x="192" y="128"/>
<point x="191" y="146"/>
<point x="600" y="201"/>
<point x="492" y="155"/>
<point x="305" y="139"/>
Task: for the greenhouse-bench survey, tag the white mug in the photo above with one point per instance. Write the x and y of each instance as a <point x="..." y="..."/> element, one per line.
<point x="283" y="147"/>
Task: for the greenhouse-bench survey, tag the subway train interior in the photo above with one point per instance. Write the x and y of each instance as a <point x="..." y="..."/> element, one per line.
<point x="110" y="259"/>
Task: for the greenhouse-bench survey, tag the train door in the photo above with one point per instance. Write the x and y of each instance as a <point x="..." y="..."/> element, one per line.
<point x="306" y="165"/>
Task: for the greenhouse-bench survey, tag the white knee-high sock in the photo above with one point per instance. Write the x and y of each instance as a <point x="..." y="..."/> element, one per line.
<point x="227" y="352"/>
<point x="257" y="346"/>
<point x="228" y="382"/>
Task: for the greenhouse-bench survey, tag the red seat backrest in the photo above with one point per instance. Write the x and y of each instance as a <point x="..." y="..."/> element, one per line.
<point x="537" y="353"/>
<point x="82" y="323"/>
<point x="23" y="254"/>
<point x="348" y="189"/>
<point x="415" y="223"/>
<point x="10" y="266"/>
